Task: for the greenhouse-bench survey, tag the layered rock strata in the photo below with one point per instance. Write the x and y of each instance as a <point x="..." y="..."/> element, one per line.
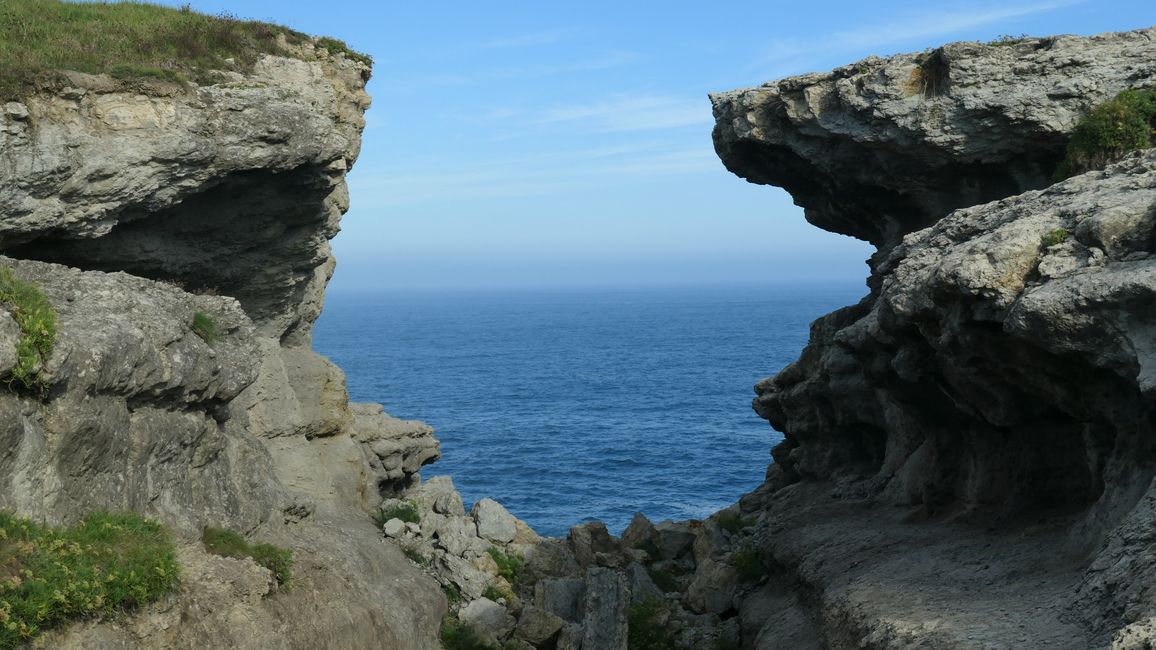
<point x="967" y="457"/>
<point x="137" y="209"/>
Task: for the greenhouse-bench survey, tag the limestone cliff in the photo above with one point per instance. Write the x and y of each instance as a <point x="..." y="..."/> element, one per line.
<point x="136" y="206"/>
<point x="968" y="455"/>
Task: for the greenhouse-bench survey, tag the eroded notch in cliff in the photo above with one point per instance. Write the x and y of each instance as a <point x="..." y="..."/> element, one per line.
<point x="258" y="236"/>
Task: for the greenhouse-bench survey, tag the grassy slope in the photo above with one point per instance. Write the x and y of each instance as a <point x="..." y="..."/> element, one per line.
<point x="130" y="40"/>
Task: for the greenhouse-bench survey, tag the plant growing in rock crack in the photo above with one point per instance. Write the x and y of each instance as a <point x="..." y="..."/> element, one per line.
<point x="456" y="635"/>
<point x="1109" y="131"/>
<point x="510" y="565"/>
<point x="102" y="565"/>
<point x="229" y="543"/>
<point x="1057" y="236"/>
<point x="204" y="326"/>
<point x="404" y="510"/>
<point x="746" y="563"/>
<point x="495" y="594"/>
<point x="731" y="521"/>
<point x="37" y="320"/>
<point x="646" y="625"/>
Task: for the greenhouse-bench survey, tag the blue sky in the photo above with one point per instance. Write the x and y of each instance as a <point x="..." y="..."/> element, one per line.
<point x="568" y="144"/>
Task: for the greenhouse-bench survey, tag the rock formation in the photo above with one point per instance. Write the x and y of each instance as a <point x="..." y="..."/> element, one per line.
<point x="138" y="207"/>
<point x="967" y="458"/>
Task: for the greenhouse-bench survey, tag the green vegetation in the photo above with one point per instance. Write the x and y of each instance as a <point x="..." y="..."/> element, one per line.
<point x="510" y="566"/>
<point x="228" y="543"/>
<point x="731" y="521"/>
<point x="405" y="511"/>
<point x="747" y="564"/>
<point x="1057" y="236"/>
<point x="453" y="594"/>
<point x="132" y="40"/>
<point x="494" y="593"/>
<point x="204" y="326"/>
<point x="415" y="556"/>
<point x="1005" y="40"/>
<point x="1111" y="130"/>
<point x="664" y="579"/>
<point x="456" y="635"/>
<point x="334" y="46"/>
<point x="646" y="626"/>
<point x="104" y="564"/>
<point x="37" y="320"/>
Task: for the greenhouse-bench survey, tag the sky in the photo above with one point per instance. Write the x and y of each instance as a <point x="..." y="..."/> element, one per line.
<point x="562" y="144"/>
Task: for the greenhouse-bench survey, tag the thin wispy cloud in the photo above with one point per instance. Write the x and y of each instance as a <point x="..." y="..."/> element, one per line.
<point x="632" y="113"/>
<point x="791" y="56"/>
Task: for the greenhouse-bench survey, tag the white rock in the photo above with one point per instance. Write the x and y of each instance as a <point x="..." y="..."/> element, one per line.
<point x="495" y="523"/>
<point x="393" y="528"/>
<point x="488" y="618"/>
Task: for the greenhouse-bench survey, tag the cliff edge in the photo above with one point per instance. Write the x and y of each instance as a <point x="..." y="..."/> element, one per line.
<point x="967" y="458"/>
<point x="180" y="231"/>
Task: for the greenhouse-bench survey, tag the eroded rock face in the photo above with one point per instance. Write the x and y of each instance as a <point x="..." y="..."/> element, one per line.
<point x="133" y="212"/>
<point x="981" y="422"/>
<point x="235" y="187"/>
<point x="883" y="147"/>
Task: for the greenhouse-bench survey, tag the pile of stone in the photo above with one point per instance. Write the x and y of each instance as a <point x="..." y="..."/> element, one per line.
<point x="674" y="581"/>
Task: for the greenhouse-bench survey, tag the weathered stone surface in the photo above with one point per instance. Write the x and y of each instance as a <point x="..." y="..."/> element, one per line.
<point x="674" y="538"/>
<point x="231" y="191"/>
<point x="235" y="186"/>
<point x="438" y="494"/>
<point x="996" y="385"/>
<point x="394" y="528"/>
<point x="592" y="545"/>
<point x="563" y="597"/>
<point x="397" y="449"/>
<point x="488" y="618"/>
<point x="642" y="587"/>
<point x="712" y="590"/>
<point x="537" y="626"/>
<point x="885" y="146"/>
<point x="639" y="532"/>
<point x="606" y="602"/>
<point x="495" y="523"/>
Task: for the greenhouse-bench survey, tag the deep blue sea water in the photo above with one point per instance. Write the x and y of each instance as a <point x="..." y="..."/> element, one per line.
<point x="572" y="405"/>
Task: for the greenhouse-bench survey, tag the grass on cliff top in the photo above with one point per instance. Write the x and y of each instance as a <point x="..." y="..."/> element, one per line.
<point x="1111" y="130"/>
<point x="131" y="40"/>
<point x="228" y="543"/>
<point x="104" y="564"/>
<point x="37" y="321"/>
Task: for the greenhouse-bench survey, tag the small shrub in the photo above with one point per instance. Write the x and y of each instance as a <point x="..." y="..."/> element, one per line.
<point x="510" y="566"/>
<point x="747" y="564"/>
<point x="415" y="556"/>
<point x="494" y="594"/>
<point x="106" y="563"/>
<point x="456" y="635"/>
<point x="453" y="594"/>
<point x="229" y="543"/>
<point x="204" y="326"/>
<point x="731" y="521"/>
<point x="646" y="627"/>
<point x="37" y="321"/>
<point x="1057" y="236"/>
<point x="405" y="511"/>
<point x="1110" y="131"/>
<point x="335" y="46"/>
<point x="1005" y="40"/>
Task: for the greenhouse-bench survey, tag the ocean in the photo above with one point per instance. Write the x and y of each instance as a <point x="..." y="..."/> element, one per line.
<point x="573" y="405"/>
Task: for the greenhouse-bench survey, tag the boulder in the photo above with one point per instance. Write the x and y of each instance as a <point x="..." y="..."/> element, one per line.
<point x="488" y="619"/>
<point x="537" y="626"/>
<point x="605" y="608"/>
<point x="592" y="545"/>
<point x="494" y="522"/>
